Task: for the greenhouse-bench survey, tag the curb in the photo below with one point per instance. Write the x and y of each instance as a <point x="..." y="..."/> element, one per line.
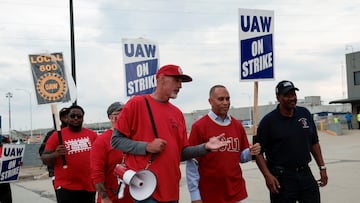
<point x="33" y="173"/>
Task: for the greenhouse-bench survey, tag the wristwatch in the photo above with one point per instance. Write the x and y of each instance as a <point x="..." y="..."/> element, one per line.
<point x="322" y="167"/>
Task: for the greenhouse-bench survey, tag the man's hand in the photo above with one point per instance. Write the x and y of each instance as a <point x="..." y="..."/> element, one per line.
<point x="323" y="178"/>
<point x="106" y="200"/>
<point x="60" y="150"/>
<point x="272" y="184"/>
<point x="216" y="143"/>
<point x="255" y="149"/>
<point x="156" y="146"/>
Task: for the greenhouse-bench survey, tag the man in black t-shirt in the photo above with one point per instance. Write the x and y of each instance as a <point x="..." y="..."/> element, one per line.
<point x="288" y="137"/>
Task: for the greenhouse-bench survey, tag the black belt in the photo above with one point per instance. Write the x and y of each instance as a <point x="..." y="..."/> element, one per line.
<point x="294" y="169"/>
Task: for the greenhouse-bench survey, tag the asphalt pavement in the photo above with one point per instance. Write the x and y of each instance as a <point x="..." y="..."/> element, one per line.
<point x="341" y="154"/>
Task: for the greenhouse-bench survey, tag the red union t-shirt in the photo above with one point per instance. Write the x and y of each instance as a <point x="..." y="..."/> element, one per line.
<point x="134" y="121"/>
<point x="103" y="161"/>
<point x="221" y="179"/>
<point x="77" y="175"/>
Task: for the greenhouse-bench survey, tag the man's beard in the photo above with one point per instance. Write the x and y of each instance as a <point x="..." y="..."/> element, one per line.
<point x="173" y="95"/>
<point x="75" y="128"/>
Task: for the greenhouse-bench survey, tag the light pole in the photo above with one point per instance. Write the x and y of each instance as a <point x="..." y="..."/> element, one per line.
<point x="30" y="109"/>
<point x="9" y="96"/>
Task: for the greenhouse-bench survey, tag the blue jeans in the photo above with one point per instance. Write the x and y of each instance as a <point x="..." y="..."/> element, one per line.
<point x="296" y="185"/>
<point x="152" y="200"/>
<point x="349" y="125"/>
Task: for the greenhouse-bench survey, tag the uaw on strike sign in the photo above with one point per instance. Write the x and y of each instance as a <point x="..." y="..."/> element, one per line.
<point x="49" y="78"/>
<point x="256" y="30"/>
<point x="10" y="162"/>
<point x="141" y="63"/>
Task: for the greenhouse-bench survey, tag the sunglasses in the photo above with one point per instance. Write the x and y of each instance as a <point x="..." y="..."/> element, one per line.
<point x="79" y="116"/>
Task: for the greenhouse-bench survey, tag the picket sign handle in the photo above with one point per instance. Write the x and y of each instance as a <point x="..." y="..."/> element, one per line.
<point x="56" y="119"/>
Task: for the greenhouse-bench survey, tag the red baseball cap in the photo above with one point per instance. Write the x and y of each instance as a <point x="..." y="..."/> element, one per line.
<point x="173" y="70"/>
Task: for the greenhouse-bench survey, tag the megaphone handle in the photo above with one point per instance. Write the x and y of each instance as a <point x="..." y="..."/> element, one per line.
<point x="121" y="188"/>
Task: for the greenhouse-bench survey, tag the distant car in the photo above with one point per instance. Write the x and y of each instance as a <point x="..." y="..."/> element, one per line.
<point x="247" y="124"/>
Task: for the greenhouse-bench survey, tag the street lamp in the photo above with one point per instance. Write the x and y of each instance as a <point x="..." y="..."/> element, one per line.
<point x="30" y="109"/>
<point x="9" y="96"/>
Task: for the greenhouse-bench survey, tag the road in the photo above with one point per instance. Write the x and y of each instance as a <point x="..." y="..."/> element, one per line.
<point x="341" y="154"/>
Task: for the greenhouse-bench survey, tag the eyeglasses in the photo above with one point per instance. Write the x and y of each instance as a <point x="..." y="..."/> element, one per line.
<point x="79" y="116"/>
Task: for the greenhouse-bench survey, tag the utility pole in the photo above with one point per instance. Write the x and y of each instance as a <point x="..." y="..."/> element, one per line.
<point x="72" y="43"/>
<point x="9" y="96"/>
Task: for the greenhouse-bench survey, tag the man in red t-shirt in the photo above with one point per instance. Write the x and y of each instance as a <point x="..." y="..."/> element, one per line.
<point x="103" y="161"/>
<point x="72" y="184"/>
<point x="134" y="134"/>
<point x="217" y="177"/>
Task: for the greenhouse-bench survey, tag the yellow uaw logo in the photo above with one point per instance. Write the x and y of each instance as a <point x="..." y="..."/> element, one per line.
<point x="51" y="86"/>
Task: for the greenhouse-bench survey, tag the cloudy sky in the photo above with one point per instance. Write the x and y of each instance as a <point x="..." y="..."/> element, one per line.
<point x="310" y="42"/>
